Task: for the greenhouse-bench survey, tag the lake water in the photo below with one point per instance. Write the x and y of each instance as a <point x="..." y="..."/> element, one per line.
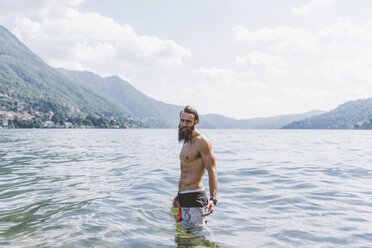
<point x="113" y="188"/>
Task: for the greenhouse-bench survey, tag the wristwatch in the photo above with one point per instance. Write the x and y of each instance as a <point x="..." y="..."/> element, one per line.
<point x="214" y="200"/>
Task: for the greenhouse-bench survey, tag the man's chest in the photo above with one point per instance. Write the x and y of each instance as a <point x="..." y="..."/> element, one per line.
<point x="189" y="153"/>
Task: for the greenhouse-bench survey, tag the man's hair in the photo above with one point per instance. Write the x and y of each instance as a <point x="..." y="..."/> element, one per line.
<point x="190" y="110"/>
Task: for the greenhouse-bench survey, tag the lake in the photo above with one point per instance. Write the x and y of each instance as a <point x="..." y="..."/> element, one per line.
<point x="114" y="188"/>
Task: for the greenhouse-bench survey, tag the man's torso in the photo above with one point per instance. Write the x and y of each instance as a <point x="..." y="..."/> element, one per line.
<point x="192" y="166"/>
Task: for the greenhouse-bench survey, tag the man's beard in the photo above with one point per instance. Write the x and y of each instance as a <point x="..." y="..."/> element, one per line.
<point x="185" y="134"/>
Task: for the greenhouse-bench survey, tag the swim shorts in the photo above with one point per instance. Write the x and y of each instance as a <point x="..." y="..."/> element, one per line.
<point x="193" y="204"/>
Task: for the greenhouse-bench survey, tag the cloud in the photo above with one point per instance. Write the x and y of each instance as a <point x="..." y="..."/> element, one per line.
<point x="273" y="64"/>
<point x="328" y="38"/>
<point x="345" y="72"/>
<point x="225" y="79"/>
<point x="64" y="36"/>
<point x="218" y="90"/>
<point x="216" y="79"/>
<point x="329" y="65"/>
<point x="11" y="9"/>
<point x="214" y="72"/>
<point x="281" y="38"/>
<point x="314" y="4"/>
<point x="257" y="58"/>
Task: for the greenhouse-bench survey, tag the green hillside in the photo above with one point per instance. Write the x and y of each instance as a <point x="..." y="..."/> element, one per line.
<point x="345" y="116"/>
<point x="32" y="85"/>
<point x="366" y="124"/>
<point x="127" y="98"/>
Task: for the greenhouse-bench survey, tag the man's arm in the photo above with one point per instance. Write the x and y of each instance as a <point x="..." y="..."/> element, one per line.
<point x="209" y="161"/>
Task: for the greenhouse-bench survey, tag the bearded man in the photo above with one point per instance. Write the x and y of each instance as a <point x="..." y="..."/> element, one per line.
<point x="196" y="157"/>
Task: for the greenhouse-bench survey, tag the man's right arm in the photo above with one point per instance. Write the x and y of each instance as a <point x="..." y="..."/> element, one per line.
<point x="209" y="161"/>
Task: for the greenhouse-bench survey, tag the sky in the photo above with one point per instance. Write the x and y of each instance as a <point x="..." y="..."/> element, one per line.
<point x="239" y="58"/>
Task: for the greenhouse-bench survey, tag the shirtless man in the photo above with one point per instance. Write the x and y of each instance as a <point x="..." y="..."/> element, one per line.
<point x="196" y="157"/>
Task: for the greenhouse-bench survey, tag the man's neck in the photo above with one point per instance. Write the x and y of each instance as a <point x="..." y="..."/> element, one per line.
<point x="194" y="134"/>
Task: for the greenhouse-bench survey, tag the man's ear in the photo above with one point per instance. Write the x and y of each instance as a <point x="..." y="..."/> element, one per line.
<point x="196" y="122"/>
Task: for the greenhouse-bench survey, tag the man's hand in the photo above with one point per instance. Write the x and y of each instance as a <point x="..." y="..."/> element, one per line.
<point x="210" y="207"/>
<point x="175" y="201"/>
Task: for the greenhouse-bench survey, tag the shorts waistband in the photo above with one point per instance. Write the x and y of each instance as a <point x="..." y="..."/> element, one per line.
<point x="191" y="191"/>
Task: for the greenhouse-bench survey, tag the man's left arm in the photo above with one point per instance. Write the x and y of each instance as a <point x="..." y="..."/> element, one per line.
<point x="209" y="161"/>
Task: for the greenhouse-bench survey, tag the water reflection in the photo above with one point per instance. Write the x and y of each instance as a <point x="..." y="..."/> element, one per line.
<point x="187" y="237"/>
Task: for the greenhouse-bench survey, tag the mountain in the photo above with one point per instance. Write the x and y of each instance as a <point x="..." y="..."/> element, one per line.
<point x="30" y="84"/>
<point x="366" y="124"/>
<point x="275" y="122"/>
<point x="345" y="116"/>
<point x="154" y="113"/>
<point x="162" y="115"/>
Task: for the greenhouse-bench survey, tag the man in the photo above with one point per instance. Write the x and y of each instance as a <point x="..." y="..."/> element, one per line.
<point x="196" y="157"/>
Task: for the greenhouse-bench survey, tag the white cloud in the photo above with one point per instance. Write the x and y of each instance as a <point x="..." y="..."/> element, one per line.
<point x="216" y="79"/>
<point x="64" y="36"/>
<point x="281" y="38"/>
<point x="212" y="94"/>
<point x="11" y="9"/>
<point x="314" y="4"/>
<point x="278" y="71"/>
<point x="257" y="58"/>
<point x="225" y="79"/>
<point x="346" y="72"/>
<point x="295" y="39"/>
<point x="329" y="65"/>
<point x="342" y="40"/>
<point x="214" y="72"/>
<point x="273" y="64"/>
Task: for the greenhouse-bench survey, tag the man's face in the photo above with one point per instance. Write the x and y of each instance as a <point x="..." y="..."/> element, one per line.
<point x="187" y="120"/>
<point x="186" y="127"/>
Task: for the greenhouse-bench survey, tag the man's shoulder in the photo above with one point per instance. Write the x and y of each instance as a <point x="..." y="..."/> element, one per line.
<point x="203" y="142"/>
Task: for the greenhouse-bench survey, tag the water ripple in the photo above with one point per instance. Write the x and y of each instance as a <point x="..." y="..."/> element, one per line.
<point x="113" y="188"/>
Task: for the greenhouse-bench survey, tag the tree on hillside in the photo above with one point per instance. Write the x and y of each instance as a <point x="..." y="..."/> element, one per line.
<point x="59" y="119"/>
